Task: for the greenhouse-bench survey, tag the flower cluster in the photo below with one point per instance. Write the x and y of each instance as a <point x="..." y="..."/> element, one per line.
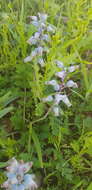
<point x="17" y="177"/>
<point x="60" y="86"/>
<point x="40" y="38"/>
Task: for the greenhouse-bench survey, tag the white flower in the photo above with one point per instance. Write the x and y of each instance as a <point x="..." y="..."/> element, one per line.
<point x="56" y="110"/>
<point x="61" y="74"/>
<point x="73" y="68"/>
<point x="63" y="98"/>
<point x="59" y="64"/>
<point x="46" y="37"/>
<point x="42" y="17"/>
<point x="41" y="62"/>
<point x="57" y="99"/>
<point x="39" y="50"/>
<point x="33" y="53"/>
<point x="35" y="23"/>
<point x="48" y="99"/>
<point x="72" y="84"/>
<point x="24" y="167"/>
<point x="54" y="84"/>
<point x="37" y="35"/>
<point x="27" y="59"/>
<point x="34" y="39"/>
<point x="34" y="18"/>
<point x="51" y="29"/>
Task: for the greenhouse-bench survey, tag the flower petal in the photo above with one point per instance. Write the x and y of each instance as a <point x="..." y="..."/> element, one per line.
<point x="63" y="98"/>
<point x="56" y="110"/>
<point x="72" y="84"/>
<point x="59" y="64"/>
<point x="73" y="68"/>
<point x="41" y="62"/>
<point x="54" y="84"/>
<point x="42" y="17"/>
<point x="61" y="74"/>
<point x="27" y="59"/>
<point x="29" y="182"/>
<point x="47" y="99"/>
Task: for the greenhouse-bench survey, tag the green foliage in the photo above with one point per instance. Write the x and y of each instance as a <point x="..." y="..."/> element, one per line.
<point x="60" y="146"/>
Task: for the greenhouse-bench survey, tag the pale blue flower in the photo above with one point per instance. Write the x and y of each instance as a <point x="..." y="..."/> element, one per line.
<point x="56" y="110"/>
<point x="17" y="187"/>
<point x="12" y="178"/>
<point x="71" y="83"/>
<point x="51" y="29"/>
<point x="63" y="98"/>
<point x="42" y="17"/>
<point x="54" y="84"/>
<point x="17" y="179"/>
<point x="46" y="38"/>
<point x="39" y="50"/>
<point x="29" y="182"/>
<point x="61" y="74"/>
<point x="47" y="99"/>
<point x="73" y="68"/>
<point x="41" y="62"/>
<point x="34" y="18"/>
<point x="27" y="59"/>
<point x="59" y="64"/>
<point x="35" y="23"/>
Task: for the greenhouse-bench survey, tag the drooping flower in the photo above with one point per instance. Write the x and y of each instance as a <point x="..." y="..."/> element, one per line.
<point x="61" y="75"/>
<point x="46" y="38"/>
<point x="71" y="83"/>
<point x="41" y="62"/>
<point x="59" y="64"/>
<point x="34" y="39"/>
<point x="73" y="68"/>
<point x="42" y="17"/>
<point x="51" y="28"/>
<point x="56" y="110"/>
<point x="63" y="98"/>
<point x="27" y="59"/>
<point x="54" y="84"/>
<point x="47" y="99"/>
<point x="34" y="18"/>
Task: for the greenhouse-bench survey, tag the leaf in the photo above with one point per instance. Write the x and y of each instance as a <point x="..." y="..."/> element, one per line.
<point x="5" y="111"/>
<point x="90" y="186"/>
<point x="38" y="147"/>
<point x="7" y="99"/>
<point x="3" y="164"/>
<point x="78" y="185"/>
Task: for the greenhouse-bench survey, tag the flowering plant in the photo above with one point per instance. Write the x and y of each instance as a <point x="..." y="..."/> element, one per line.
<point x="17" y="177"/>
<point x="40" y="40"/>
